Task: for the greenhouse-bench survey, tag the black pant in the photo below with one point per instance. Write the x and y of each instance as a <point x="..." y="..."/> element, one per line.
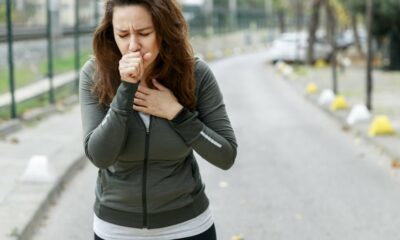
<point x="210" y="234"/>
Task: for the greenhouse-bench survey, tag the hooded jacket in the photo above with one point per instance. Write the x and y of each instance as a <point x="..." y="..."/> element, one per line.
<point x="149" y="177"/>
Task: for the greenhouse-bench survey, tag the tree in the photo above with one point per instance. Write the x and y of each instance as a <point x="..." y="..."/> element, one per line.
<point x="332" y="28"/>
<point x="386" y="25"/>
<point x="280" y="6"/>
<point x="2" y="12"/>
<point x="313" y="27"/>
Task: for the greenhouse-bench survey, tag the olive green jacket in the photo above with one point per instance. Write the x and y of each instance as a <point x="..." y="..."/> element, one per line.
<point x="149" y="177"/>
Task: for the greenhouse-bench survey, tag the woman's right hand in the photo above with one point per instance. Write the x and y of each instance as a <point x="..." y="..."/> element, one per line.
<point x="131" y="66"/>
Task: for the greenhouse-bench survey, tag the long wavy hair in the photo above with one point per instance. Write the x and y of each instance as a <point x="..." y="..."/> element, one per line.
<point x="173" y="67"/>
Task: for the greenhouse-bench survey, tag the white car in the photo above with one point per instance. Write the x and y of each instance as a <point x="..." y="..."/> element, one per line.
<point x="293" y="46"/>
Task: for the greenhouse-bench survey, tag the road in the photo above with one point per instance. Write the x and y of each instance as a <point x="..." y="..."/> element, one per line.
<point x="298" y="175"/>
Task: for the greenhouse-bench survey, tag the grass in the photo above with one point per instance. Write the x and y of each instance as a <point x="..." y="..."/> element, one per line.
<point x="23" y="76"/>
<point x="39" y="101"/>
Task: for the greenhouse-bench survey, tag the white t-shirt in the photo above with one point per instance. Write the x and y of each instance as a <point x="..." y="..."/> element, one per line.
<point x="192" y="227"/>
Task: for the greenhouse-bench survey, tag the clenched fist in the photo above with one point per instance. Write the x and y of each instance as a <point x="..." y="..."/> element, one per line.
<point x="131" y="66"/>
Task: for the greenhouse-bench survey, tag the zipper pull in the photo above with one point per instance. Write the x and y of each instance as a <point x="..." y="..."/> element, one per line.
<point x="148" y="127"/>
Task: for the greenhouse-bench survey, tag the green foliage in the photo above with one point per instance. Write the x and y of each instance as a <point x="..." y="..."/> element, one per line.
<point x="2" y="12"/>
<point x="385" y="14"/>
<point x="279" y="4"/>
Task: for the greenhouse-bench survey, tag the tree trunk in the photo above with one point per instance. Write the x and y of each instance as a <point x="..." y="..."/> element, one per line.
<point x="282" y="20"/>
<point x="395" y="49"/>
<point x="312" y="29"/>
<point x="331" y="23"/>
<point x="369" y="83"/>
<point x="356" y="34"/>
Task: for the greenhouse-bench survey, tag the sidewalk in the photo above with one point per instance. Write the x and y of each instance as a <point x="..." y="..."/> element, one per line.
<point x="351" y="84"/>
<point x="59" y="138"/>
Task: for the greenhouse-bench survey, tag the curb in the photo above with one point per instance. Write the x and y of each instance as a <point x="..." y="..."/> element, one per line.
<point x="355" y="130"/>
<point x="14" y="125"/>
<point x="72" y="164"/>
<point x="9" y="127"/>
<point x="28" y="231"/>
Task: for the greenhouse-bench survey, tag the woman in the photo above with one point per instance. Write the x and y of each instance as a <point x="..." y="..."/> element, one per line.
<point x="146" y="105"/>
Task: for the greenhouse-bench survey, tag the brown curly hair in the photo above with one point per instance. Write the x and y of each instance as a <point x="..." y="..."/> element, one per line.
<point x="174" y="66"/>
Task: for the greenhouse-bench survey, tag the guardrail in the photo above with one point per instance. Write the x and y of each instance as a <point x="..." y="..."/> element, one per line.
<point x="40" y="32"/>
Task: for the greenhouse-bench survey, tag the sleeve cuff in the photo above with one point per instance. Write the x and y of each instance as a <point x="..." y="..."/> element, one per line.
<point x="181" y="116"/>
<point x="123" y="99"/>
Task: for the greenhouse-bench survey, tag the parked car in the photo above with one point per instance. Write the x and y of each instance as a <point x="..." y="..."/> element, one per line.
<point x="293" y="46"/>
<point x="346" y="39"/>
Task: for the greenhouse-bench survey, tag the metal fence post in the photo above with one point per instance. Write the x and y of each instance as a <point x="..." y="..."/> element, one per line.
<point x="96" y="12"/>
<point x="50" y="51"/>
<point x="11" y="58"/>
<point x="77" y="50"/>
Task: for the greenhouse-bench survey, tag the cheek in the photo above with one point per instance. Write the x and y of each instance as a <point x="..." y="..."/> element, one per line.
<point x="122" y="46"/>
<point x="155" y="49"/>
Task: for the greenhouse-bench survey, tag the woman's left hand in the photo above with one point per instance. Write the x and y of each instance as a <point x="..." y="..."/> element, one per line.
<point x="159" y="102"/>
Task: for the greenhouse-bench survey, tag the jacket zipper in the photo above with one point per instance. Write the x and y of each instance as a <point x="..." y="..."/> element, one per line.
<point x="144" y="179"/>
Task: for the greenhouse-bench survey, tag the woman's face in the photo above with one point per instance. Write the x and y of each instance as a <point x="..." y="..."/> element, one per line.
<point x="134" y="31"/>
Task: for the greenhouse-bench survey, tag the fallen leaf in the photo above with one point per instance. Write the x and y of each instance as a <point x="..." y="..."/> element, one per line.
<point x="357" y="141"/>
<point x="14" y="140"/>
<point x="346" y="128"/>
<point x="298" y="216"/>
<point x="237" y="237"/>
<point x="395" y="163"/>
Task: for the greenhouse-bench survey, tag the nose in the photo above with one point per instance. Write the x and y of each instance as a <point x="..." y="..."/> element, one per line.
<point x="133" y="44"/>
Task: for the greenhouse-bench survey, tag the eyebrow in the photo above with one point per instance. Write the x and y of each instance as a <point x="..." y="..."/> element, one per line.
<point x="138" y="30"/>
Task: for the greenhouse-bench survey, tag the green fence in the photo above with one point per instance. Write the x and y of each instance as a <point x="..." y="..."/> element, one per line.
<point x="44" y="43"/>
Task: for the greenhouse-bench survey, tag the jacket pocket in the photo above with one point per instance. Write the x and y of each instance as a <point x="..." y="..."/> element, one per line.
<point x="122" y="194"/>
<point x="99" y="184"/>
<point x="198" y="184"/>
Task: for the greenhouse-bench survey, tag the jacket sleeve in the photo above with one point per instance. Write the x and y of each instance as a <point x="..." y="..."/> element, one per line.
<point x="104" y="131"/>
<point x="208" y="130"/>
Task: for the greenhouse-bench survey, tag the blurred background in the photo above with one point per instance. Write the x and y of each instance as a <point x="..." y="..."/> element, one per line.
<point x="300" y="173"/>
<point x="53" y="38"/>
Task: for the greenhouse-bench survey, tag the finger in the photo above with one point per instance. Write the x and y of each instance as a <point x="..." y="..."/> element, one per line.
<point x="128" y="67"/>
<point x="141" y="67"/>
<point x="158" y="85"/>
<point x="140" y="95"/>
<point x="128" y="71"/>
<point x="141" y="109"/>
<point x="130" y="62"/>
<point x="140" y="102"/>
<point x="131" y="55"/>
<point x="147" y="56"/>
